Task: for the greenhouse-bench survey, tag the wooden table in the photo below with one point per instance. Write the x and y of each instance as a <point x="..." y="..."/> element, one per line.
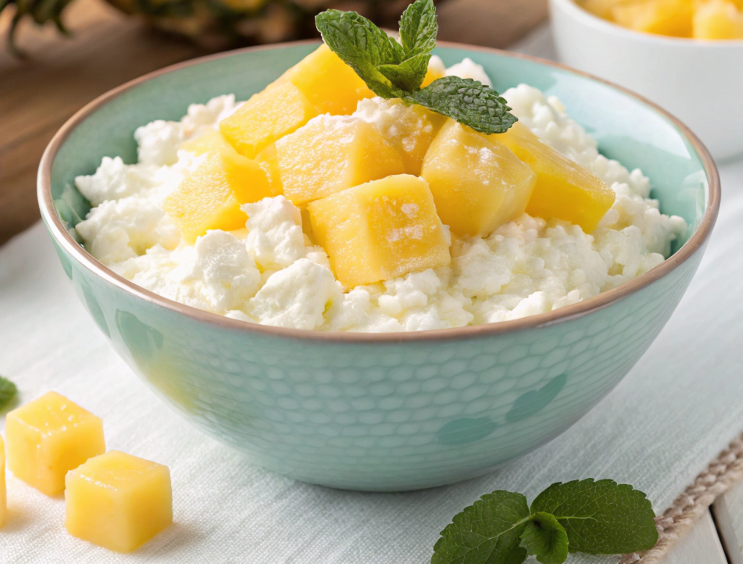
<point x="60" y="75"/>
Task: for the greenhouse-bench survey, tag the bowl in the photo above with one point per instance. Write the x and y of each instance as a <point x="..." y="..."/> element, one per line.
<point x="395" y="411"/>
<point x="697" y="81"/>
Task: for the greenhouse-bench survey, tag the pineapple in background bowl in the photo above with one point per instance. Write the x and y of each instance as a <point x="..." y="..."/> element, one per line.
<point x="710" y="20"/>
<point x="219" y="24"/>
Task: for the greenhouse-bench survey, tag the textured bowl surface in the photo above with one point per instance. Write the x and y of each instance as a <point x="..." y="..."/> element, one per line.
<point x="697" y="81"/>
<point x="382" y="412"/>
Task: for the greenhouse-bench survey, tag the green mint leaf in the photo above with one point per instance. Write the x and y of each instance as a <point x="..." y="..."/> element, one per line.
<point x="409" y="74"/>
<point x="418" y="30"/>
<point x="546" y="539"/>
<point x="7" y="392"/>
<point x="600" y="517"/>
<point x="362" y="46"/>
<point x="487" y="532"/>
<point x="468" y="102"/>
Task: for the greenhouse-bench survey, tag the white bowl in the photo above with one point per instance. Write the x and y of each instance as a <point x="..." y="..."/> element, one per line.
<point x="700" y="82"/>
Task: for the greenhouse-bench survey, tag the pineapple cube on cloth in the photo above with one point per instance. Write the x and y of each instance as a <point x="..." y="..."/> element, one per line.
<point x="48" y="437"/>
<point x="718" y="19"/>
<point x="380" y="230"/>
<point x="118" y="501"/>
<point x="211" y="196"/>
<point x="329" y="154"/>
<point x="564" y="189"/>
<point x="3" y="492"/>
<point x="266" y="117"/>
<point x="477" y="183"/>
<point x="330" y="84"/>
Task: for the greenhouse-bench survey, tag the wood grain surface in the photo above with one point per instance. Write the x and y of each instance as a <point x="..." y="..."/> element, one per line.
<point x="60" y="75"/>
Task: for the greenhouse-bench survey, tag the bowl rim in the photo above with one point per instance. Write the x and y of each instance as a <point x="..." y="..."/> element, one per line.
<point x="587" y="18"/>
<point x="566" y="313"/>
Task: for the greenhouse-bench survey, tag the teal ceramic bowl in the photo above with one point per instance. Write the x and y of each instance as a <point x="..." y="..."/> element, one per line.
<point x="385" y="412"/>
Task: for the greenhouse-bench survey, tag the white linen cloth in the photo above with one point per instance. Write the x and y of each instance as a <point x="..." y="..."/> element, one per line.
<point x="657" y="430"/>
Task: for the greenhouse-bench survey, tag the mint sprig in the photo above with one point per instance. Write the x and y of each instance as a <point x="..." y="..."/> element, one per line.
<point x="397" y="70"/>
<point x="7" y="392"/>
<point x="595" y="517"/>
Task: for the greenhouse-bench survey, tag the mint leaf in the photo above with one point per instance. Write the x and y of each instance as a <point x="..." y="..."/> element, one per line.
<point x="600" y="517"/>
<point x="362" y="46"/>
<point x="546" y="539"/>
<point x="7" y="392"/>
<point x="418" y="30"/>
<point x="467" y="101"/>
<point x="487" y="532"/>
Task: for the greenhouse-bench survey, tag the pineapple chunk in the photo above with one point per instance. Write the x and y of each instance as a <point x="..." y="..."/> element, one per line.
<point x="477" y="183"/>
<point x="330" y="84"/>
<point x="408" y="128"/>
<point x="431" y="75"/>
<point x="266" y="117"/>
<point x="564" y="189"/>
<point x="49" y="437"/>
<point x="207" y="142"/>
<point x="210" y="197"/>
<point x="661" y="17"/>
<point x="603" y="8"/>
<point x="718" y="19"/>
<point x="329" y="154"/>
<point x="380" y="230"/>
<point x="3" y="493"/>
<point x="118" y="501"/>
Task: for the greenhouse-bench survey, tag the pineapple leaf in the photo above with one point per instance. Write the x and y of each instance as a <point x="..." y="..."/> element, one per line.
<point x="467" y="101"/>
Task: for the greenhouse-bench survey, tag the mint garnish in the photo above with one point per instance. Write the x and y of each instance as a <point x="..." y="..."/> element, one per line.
<point x="581" y="516"/>
<point x="7" y="392"/>
<point x="396" y="70"/>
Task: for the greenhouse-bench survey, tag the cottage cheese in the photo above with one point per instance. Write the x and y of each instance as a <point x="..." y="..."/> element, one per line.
<point x="270" y="273"/>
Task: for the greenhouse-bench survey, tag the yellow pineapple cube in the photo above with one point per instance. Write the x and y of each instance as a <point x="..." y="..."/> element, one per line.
<point x="661" y="17"/>
<point x="330" y="84"/>
<point x="718" y="19"/>
<point x="380" y="230"/>
<point x="431" y="75"/>
<point x="408" y="128"/>
<point x="564" y="189"/>
<point x="118" y="501"/>
<point x="208" y="142"/>
<point x="477" y="183"/>
<point x="211" y="196"/>
<point x="329" y="154"/>
<point x="48" y="437"/>
<point x="3" y="494"/>
<point x="266" y="117"/>
<point x="603" y="8"/>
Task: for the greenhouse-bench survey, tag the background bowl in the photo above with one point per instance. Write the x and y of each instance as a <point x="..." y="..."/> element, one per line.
<point x="383" y="412"/>
<point x="700" y="82"/>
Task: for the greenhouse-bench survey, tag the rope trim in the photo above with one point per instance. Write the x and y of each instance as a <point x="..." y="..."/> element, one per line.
<point x="723" y="472"/>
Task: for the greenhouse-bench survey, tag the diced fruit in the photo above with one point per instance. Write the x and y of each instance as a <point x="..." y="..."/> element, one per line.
<point x="603" y="8"/>
<point x="662" y="17"/>
<point x="3" y="494"/>
<point x="431" y="75"/>
<point x="477" y="183"/>
<point x="718" y="19"/>
<point x="330" y="84"/>
<point x="210" y="197"/>
<point x="329" y="154"/>
<point x="380" y="230"/>
<point x="48" y="437"/>
<point x="208" y="142"/>
<point x="118" y="501"/>
<point x="266" y="117"/>
<point x="408" y="128"/>
<point x="564" y="189"/>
